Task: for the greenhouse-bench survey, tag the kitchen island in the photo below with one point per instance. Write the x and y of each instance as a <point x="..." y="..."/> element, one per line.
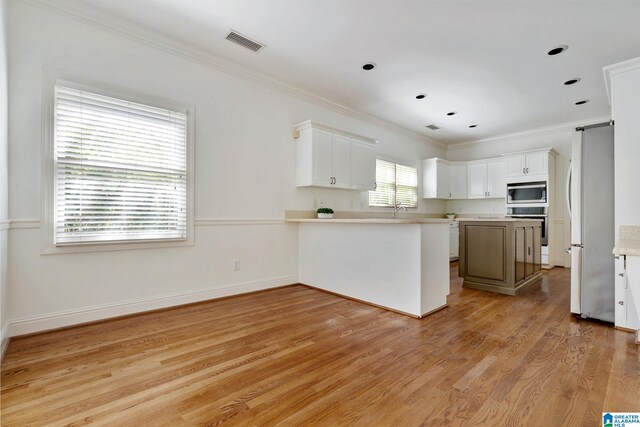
<point x="500" y="255"/>
<point x="398" y="264"/>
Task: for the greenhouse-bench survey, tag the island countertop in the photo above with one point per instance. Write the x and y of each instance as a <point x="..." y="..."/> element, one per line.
<point x="371" y="220"/>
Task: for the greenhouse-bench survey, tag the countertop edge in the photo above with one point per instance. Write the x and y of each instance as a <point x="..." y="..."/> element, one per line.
<point x="627" y="247"/>
<point x="443" y="221"/>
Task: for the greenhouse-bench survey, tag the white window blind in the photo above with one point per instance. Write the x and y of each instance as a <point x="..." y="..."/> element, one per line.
<point x="395" y="185"/>
<point x="120" y="170"/>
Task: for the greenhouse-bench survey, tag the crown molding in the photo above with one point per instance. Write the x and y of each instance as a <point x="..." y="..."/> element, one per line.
<point x="123" y="27"/>
<point x="611" y="70"/>
<point x="538" y="131"/>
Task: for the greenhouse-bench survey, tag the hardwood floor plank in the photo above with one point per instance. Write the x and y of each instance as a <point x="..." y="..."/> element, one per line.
<point x="297" y="356"/>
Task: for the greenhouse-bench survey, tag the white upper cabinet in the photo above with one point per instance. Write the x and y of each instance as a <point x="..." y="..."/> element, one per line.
<point x="477" y="180"/>
<point x="443" y="180"/>
<point x="363" y="165"/>
<point x="322" y="157"/>
<point x="458" y="181"/>
<point x="537" y="163"/>
<point x="487" y="179"/>
<point x="497" y="179"/>
<point x="528" y="164"/>
<point x="341" y="161"/>
<point x="515" y="165"/>
<point x="327" y="157"/>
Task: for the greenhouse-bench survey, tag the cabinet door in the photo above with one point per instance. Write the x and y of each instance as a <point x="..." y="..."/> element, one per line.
<point x="537" y="163"/>
<point x="521" y="248"/>
<point x="322" y="158"/>
<point x="341" y="161"/>
<point x="476" y="180"/>
<point x="537" y="248"/>
<point x="458" y="181"/>
<point x="529" y="254"/>
<point x="453" y="242"/>
<point x="515" y="165"/>
<point x="363" y="165"/>
<point x="442" y="172"/>
<point x="496" y="179"/>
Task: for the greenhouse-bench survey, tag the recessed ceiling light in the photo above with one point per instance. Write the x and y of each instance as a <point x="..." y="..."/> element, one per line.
<point x="572" y="81"/>
<point x="451" y="113"/>
<point x="473" y="126"/>
<point x="421" y="96"/>
<point x="369" y="66"/>
<point x="557" y="50"/>
<point x="584" y="101"/>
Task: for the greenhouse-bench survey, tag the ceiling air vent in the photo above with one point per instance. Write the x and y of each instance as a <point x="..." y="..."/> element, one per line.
<point x="432" y="127"/>
<point x="244" y="41"/>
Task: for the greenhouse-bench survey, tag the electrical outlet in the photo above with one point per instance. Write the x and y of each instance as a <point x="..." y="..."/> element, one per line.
<point x="236" y="265"/>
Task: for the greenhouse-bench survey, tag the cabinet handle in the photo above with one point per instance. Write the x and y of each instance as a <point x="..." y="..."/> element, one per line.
<point x="529" y="250"/>
<point x="449" y="195"/>
<point x="523" y="170"/>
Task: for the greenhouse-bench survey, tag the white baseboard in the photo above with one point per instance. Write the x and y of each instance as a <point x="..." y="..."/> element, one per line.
<point x="46" y="322"/>
<point x="4" y="340"/>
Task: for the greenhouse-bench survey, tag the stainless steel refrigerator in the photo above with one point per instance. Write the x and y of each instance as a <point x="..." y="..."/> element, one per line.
<point x="590" y="199"/>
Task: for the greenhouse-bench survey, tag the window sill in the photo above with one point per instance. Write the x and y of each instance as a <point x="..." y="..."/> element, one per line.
<point x="119" y="246"/>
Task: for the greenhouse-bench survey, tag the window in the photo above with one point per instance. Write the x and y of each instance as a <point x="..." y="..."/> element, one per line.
<point x="120" y="170"/>
<point x="395" y="185"/>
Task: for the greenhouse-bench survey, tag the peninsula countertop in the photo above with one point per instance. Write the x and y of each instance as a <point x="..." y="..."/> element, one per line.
<point x="371" y="220"/>
<point x="497" y="219"/>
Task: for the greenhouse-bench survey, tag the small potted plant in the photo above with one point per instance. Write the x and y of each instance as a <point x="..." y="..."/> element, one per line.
<point x="325" y="213"/>
<point x="451" y="215"/>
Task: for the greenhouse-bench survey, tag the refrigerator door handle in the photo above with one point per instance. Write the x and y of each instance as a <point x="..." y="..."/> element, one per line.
<point x="568" y="190"/>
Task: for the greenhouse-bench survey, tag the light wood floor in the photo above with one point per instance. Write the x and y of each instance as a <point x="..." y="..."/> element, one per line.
<point x="296" y="356"/>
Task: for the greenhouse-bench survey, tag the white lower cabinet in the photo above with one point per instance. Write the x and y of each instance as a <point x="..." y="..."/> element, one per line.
<point x="454" y="240"/>
<point x="627" y="292"/>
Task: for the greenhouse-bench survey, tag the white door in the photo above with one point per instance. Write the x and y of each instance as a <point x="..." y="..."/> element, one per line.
<point x="341" y="160"/>
<point x="458" y="181"/>
<point x="537" y="163"/>
<point x="515" y="165"/>
<point x="363" y="165"/>
<point x="497" y="179"/>
<point x="442" y="178"/>
<point x="322" y="158"/>
<point x="476" y="180"/>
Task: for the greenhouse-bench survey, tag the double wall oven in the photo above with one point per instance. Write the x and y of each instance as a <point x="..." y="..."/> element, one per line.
<point x="529" y="200"/>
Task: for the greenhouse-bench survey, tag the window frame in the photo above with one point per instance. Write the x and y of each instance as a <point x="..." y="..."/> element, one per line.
<point x="49" y="169"/>
<point x="397" y="162"/>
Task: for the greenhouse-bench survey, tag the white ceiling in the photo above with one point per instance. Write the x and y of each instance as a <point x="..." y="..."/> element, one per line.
<point x="487" y="60"/>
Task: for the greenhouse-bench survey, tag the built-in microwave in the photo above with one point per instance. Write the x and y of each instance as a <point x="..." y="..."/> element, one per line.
<point x="526" y="192"/>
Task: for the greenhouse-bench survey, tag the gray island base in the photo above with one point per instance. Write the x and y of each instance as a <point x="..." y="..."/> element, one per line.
<point x="502" y="256"/>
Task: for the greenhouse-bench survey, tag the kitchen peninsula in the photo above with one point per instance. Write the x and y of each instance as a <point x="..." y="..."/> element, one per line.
<point x="398" y="264"/>
<point x="500" y="255"/>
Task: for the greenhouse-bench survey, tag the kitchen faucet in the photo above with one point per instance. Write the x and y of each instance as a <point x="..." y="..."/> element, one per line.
<point x="397" y="208"/>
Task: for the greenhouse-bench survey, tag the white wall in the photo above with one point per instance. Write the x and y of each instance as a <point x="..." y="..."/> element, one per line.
<point x="559" y="140"/>
<point x="244" y="169"/>
<point x="4" y="211"/>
